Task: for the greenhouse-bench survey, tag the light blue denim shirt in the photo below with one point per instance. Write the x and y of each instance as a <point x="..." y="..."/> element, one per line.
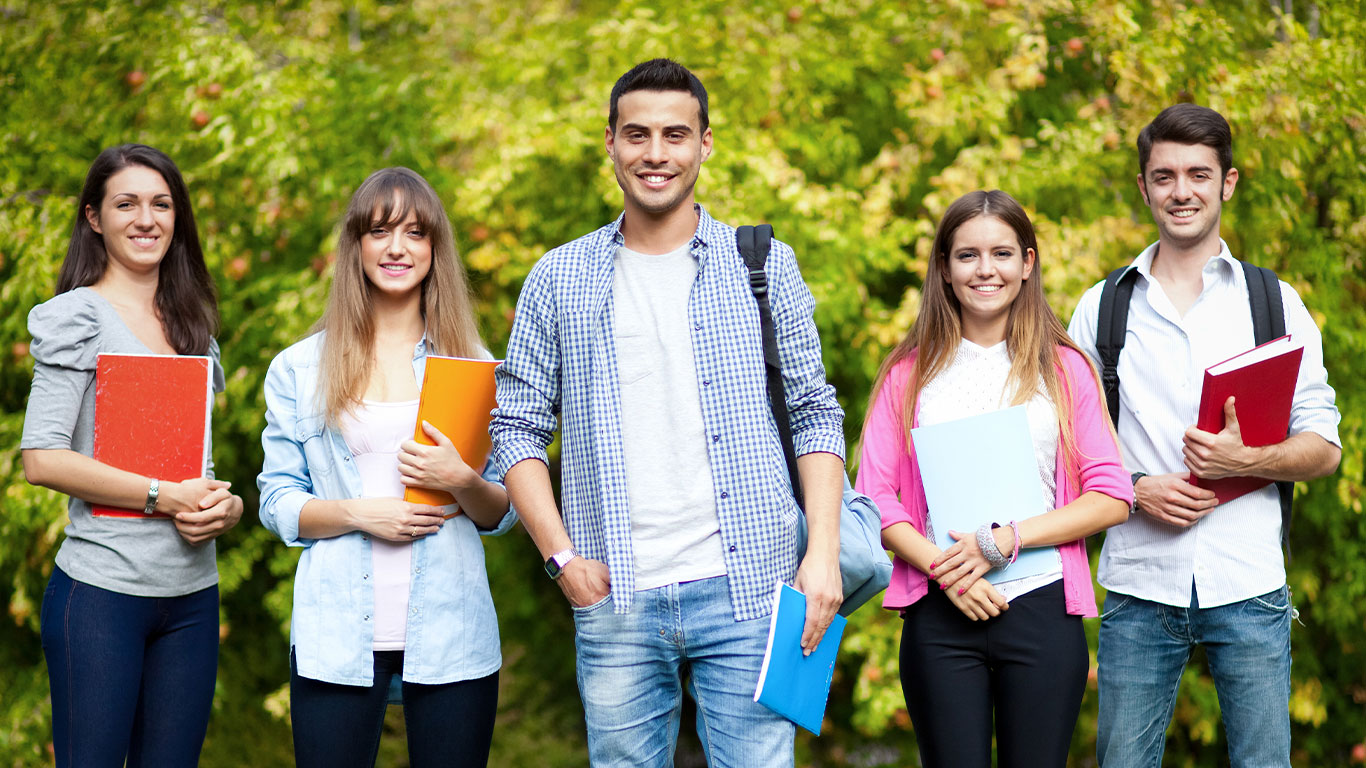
<point x="452" y="631"/>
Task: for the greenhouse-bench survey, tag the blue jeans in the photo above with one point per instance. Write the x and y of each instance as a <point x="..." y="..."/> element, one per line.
<point x="632" y="670"/>
<point x="1144" y="647"/>
<point x="336" y="726"/>
<point x="131" y="677"/>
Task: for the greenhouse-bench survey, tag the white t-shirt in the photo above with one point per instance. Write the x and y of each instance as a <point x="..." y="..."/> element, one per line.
<point x="675" y="531"/>
<point x="374" y="431"/>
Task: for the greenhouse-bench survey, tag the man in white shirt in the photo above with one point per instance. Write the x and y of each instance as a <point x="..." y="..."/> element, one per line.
<point x="1184" y="570"/>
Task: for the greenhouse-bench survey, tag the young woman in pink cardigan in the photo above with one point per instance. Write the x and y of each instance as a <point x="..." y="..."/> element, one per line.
<point x="973" y="653"/>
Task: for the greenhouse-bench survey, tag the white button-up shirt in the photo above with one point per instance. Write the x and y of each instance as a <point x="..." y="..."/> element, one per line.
<point x="1233" y="553"/>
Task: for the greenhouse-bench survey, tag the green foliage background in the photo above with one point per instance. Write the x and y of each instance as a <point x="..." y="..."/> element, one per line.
<point x="848" y="124"/>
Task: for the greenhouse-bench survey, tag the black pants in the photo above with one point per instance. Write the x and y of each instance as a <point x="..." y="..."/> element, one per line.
<point x="1027" y="667"/>
<point x="339" y="725"/>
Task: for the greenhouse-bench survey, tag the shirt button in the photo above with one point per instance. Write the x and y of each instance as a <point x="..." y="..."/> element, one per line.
<point x="706" y="383"/>
<point x="364" y="538"/>
<point x="346" y="458"/>
<point x="716" y="439"/>
<point x="661" y="633"/>
<point x="732" y="547"/>
<point x="366" y="617"/>
<point x="697" y="327"/>
<point x="724" y="494"/>
<point x="365" y="577"/>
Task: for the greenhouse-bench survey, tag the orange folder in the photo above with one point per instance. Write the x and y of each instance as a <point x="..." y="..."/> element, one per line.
<point x="152" y="417"/>
<point x="458" y="399"/>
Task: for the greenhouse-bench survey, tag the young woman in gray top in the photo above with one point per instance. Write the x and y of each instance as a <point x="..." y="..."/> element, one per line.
<point x="130" y="615"/>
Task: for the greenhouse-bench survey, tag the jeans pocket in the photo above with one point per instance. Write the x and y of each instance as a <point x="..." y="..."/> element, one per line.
<point x="1276" y="601"/>
<point x="590" y="608"/>
<point x="1114" y="603"/>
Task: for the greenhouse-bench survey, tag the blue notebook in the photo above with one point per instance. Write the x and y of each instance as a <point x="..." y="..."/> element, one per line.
<point x="793" y="685"/>
<point x="982" y="470"/>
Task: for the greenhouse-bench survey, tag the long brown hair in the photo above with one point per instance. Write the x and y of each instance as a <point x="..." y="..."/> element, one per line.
<point x="384" y="200"/>
<point x="184" y="298"/>
<point x="1033" y="332"/>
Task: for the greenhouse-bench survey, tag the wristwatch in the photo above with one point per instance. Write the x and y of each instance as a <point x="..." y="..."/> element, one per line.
<point x="555" y="565"/>
<point x="1134" y="478"/>
<point x="153" y="490"/>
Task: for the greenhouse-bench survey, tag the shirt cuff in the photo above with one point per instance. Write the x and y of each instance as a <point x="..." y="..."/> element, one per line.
<point x="511" y="453"/>
<point x="820" y="442"/>
<point x="284" y="513"/>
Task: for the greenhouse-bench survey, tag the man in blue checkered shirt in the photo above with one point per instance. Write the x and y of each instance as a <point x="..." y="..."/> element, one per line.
<point x="677" y="516"/>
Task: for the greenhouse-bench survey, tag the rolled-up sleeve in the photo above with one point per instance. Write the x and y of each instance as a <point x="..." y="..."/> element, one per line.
<point x="883" y="449"/>
<point x="284" y="480"/>
<point x="528" y="379"/>
<point x="817" y="418"/>
<point x="1314" y="408"/>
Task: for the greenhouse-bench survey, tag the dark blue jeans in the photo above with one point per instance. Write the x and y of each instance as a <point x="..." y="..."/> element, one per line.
<point x="337" y="726"/>
<point x="131" y="677"/>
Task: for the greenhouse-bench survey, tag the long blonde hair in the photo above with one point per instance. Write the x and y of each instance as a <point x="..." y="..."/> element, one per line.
<point x="1033" y="332"/>
<point x="348" y="349"/>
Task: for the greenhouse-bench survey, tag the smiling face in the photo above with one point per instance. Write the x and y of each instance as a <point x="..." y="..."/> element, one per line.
<point x="1183" y="188"/>
<point x="136" y="220"/>
<point x="657" y="149"/>
<point x="986" y="268"/>
<point x="396" y="257"/>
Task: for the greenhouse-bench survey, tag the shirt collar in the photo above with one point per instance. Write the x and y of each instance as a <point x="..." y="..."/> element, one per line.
<point x="1222" y="264"/>
<point x="420" y="350"/>
<point x="709" y="231"/>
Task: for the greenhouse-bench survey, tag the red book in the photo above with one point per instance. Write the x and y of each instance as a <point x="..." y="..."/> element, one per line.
<point x="1262" y="383"/>
<point x="152" y="418"/>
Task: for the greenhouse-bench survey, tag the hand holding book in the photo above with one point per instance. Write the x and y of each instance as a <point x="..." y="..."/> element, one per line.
<point x="1245" y="404"/>
<point x="1216" y="455"/>
<point x="438" y="466"/>
<point x="962" y="564"/>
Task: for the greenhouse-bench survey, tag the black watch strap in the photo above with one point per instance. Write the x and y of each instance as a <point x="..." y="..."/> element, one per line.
<point x="1134" y="478"/>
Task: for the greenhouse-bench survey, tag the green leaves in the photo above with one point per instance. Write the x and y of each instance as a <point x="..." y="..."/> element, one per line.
<point x="849" y="125"/>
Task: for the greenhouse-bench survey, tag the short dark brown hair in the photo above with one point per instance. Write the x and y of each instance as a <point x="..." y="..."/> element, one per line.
<point x="659" y="75"/>
<point x="1188" y="124"/>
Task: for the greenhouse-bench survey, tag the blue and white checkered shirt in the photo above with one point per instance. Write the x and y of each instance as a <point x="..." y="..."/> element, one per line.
<point x="562" y="361"/>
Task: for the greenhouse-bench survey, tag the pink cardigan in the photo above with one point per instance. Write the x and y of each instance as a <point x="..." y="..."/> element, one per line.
<point x="890" y="475"/>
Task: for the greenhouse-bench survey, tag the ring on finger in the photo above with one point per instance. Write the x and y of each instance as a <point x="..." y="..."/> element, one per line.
<point x="414" y="533"/>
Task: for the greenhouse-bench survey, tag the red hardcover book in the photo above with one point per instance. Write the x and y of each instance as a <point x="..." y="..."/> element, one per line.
<point x="1262" y="383"/>
<point x="152" y="418"/>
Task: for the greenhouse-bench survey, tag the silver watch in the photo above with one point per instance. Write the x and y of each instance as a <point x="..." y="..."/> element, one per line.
<point x="555" y="565"/>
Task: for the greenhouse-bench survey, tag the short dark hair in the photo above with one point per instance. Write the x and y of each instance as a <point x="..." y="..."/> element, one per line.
<point x="1188" y="124"/>
<point x="185" y="292"/>
<point x="659" y="75"/>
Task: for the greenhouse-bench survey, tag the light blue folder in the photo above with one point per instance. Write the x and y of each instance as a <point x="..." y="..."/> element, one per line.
<point x="982" y="470"/>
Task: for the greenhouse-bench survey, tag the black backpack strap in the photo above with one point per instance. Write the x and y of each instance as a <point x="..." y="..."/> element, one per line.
<point x="754" y="244"/>
<point x="1268" y="323"/>
<point x="1264" y="298"/>
<point x="1111" y="324"/>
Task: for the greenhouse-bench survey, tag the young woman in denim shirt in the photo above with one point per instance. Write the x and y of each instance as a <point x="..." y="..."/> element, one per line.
<point x="130" y="615"/>
<point x="384" y="587"/>
<point x="977" y="657"/>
